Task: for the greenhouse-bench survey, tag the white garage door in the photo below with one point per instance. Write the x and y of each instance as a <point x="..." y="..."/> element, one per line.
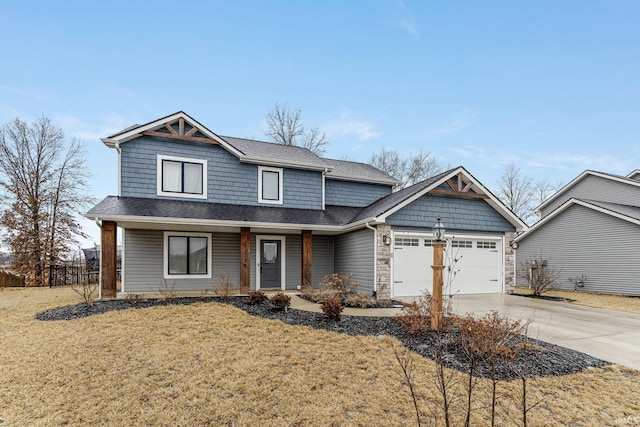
<point x="478" y="270"/>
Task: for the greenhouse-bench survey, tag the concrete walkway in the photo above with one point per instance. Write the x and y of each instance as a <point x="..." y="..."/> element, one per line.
<point x="610" y="335"/>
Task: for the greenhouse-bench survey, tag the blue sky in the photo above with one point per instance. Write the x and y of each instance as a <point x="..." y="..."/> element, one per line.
<point x="553" y="87"/>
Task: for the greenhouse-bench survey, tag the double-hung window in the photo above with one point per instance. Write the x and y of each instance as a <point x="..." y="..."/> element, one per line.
<point x="270" y="185"/>
<point x="187" y="255"/>
<point x="182" y="177"/>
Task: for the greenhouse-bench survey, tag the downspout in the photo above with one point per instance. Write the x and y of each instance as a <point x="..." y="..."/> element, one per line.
<point x="117" y="146"/>
<point x="99" y="224"/>
<point x="375" y="257"/>
<point x="324" y="174"/>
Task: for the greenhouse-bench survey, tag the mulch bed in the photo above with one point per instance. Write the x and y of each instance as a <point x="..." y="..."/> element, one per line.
<point x="538" y="359"/>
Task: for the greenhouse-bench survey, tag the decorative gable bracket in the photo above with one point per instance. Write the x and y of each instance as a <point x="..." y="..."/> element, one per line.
<point x="180" y="133"/>
<point x="459" y="188"/>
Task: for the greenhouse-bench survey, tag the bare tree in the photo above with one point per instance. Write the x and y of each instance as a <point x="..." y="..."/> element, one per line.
<point x="544" y="189"/>
<point x="411" y="170"/>
<point x="44" y="188"/>
<point x="285" y="127"/>
<point x="515" y="190"/>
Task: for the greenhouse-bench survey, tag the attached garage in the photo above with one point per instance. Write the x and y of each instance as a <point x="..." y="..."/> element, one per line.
<point x="479" y="269"/>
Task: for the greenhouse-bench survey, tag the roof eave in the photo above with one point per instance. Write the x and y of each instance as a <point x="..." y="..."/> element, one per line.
<point x="356" y="179"/>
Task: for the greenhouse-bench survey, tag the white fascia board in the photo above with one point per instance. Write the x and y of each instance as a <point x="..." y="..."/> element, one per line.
<point x="580" y="177"/>
<point x="566" y="205"/>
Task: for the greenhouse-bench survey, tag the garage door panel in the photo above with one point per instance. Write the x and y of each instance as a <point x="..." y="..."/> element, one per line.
<point x="478" y="270"/>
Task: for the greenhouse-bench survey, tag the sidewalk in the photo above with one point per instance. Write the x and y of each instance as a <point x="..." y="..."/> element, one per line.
<point x="302" y="304"/>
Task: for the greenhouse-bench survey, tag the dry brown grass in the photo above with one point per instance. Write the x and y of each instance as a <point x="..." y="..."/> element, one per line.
<point x="212" y="364"/>
<point x="611" y="302"/>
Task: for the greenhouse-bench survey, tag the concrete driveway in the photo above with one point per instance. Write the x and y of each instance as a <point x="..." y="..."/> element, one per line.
<point x="610" y="335"/>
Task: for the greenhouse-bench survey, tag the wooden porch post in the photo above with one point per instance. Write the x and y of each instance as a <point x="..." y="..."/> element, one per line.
<point x="437" y="319"/>
<point x="245" y="255"/>
<point x="307" y="255"/>
<point x="109" y="253"/>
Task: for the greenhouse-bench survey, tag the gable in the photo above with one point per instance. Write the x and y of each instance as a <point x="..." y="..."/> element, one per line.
<point x="595" y="186"/>
<point x="457" y="213"/>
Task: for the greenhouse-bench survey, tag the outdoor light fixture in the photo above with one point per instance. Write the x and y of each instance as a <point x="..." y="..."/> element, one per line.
<point x="438" y="231"/>
<point x="386" y="239"/>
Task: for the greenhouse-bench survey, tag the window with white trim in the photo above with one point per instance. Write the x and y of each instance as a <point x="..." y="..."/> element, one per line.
<point x="187" y="255"/>
<point x="270" y="185"/>
<point x="182" y="177"/>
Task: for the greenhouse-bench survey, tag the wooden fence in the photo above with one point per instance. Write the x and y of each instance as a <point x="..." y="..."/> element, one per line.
<point x="10" y="280"/>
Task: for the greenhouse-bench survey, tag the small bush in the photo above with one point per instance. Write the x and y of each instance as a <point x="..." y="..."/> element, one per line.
<point x="281" y="301"/>
<point x="224" y="287"/>
<point x="540" y="276"/>
<point x="257" y="297"/>
<point x="415" y="318"/>
<point x="490" y="336"/>
<point x="134" y="299"/>
<point x="167" y="291"/>
<point x="332" y="308"/>
<point x="359" y="300"/>
<point x="341" y="283"/>
<point x="87" y="292"/>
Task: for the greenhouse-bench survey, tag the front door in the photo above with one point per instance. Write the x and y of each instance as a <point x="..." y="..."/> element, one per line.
<point x="270" y="270"/>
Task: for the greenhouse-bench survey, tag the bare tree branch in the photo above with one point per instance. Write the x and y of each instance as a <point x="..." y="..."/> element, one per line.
<point x="417" y="167"/>
<point x="285" y="127"/>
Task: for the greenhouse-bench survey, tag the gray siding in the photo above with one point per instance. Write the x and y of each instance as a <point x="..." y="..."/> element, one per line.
<point x="354" y="254"/>
<point x="294" y="261"/>
<point x="144" y="262"/>
<point x="322" y="258"/>
<point x="598" y="188"/>
<point x="229" y="181"/>
<point x="581" y="241"/>
<point x="457" y="213"/>
<point x="357" y="194"/>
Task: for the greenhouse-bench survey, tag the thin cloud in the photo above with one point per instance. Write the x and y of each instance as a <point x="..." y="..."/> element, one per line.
<point x="463" y="121"/>
<point x="406" y="19"/>
<point x="24" y="92"/>
<point x="74" y="127"/>
<point x="349" y="126"/>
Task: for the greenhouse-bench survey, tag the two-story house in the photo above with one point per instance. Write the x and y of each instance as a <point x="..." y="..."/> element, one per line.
<point x="193" y="206"/>
<point x="588" y="232"/>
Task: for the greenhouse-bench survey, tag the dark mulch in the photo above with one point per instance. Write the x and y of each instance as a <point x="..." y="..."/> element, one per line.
<point x="539" y="359"/>
<point x="378" y="303"/>
<point x="545" y="297"/>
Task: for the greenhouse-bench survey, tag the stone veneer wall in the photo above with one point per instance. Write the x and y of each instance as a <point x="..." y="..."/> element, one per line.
<point x="383" y="263"/>
<point x="509" y="264"/>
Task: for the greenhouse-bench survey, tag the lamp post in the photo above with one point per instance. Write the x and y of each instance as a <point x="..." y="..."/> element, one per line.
<point x="438" y="243"/>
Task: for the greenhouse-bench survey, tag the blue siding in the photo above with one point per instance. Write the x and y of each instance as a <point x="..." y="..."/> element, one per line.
<point x="229" y="181"/>
<point x="357" y="194"/>
<point x="459" y="214"/>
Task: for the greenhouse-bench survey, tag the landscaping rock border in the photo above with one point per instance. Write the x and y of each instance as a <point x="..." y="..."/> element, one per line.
<point x="539" y="359"/>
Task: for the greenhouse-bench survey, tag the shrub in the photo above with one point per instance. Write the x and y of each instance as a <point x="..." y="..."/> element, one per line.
<point x="167" y="291"/>
<point x="416" y="317"/>
<point x="540" y="276"/>
<point x="341" y="283"/>
<point x="257" y="297"/>
<point x="332" y="308"/>
<point x="134" y="299"/>
<point x="224" y="287"/>
<point x="281" y="301"/>
<point x="493" y="335"/>
<point x="360" y="300"/>
<point x="86" y="291"/>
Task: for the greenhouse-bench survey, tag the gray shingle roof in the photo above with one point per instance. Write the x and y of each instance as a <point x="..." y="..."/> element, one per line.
<point x="357" y="171"/>
<point x="113" y="206"/>
<point x="276" y="152"/>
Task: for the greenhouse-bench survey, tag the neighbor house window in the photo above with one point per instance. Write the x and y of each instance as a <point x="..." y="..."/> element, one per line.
<point x="270" y="185"/>
<point x="182" y="177"/>
<point x="187" y="255"/>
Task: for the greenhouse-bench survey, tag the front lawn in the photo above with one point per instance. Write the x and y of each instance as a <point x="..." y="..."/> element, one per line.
<point x="213" y="364"/>
<point x="610" y="302"/>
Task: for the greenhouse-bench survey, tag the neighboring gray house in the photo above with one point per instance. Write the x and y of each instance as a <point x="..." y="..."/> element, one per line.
<point x="589" y="230"/>
<point x="193" y="205"/>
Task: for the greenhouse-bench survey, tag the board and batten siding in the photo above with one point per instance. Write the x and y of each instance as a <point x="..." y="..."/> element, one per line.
<point x="457" y="213"/>
<point x="144" y="262"/>
<point x="229" y="180"/>
<point x="581" y="241"/>
<point x="356" y="194"/>
<point x="597" y="188"/>
<point x="354" y="254"/>
<point x="322" y="258"/>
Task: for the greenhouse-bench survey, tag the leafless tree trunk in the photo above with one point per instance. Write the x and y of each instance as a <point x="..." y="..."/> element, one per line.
<point x="42" y="194"/>
<point x="515" y="190"/>
<point x="285" y="127"/>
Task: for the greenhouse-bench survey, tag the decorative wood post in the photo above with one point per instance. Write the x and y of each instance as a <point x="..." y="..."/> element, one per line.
<point x="307" y="255"/>
<point x="109" y="255"/>
<point x="437" y="320"/>
<point x="245" y="255"/>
